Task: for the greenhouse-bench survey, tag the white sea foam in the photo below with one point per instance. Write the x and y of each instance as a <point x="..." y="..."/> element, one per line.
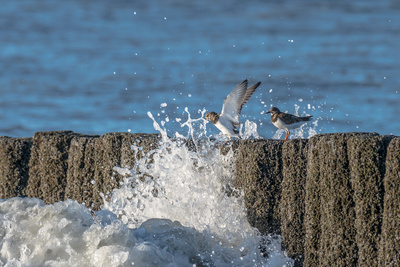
<point x="177" y="207"/>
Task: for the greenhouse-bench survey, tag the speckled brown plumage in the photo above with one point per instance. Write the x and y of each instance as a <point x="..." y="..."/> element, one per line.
<point x="286" y="121"/>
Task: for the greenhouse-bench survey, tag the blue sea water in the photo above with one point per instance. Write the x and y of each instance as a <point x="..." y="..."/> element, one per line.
<point x="99" y="66"/>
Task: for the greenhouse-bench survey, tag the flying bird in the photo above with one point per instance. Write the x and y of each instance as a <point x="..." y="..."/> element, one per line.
<point x="286" y="121"/>
<point x="228" y="120"/>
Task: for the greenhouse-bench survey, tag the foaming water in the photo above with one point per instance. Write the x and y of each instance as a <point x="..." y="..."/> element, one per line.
<point x="176" y="207"/>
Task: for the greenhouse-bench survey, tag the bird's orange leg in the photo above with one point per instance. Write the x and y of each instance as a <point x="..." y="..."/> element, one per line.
<point x="287" y="135"/>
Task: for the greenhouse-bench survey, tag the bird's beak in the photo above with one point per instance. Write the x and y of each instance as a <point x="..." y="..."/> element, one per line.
<point x="268" y="112"/>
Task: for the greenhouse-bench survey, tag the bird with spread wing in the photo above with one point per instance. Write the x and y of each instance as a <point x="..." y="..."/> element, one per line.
<point x="228" y="120"/>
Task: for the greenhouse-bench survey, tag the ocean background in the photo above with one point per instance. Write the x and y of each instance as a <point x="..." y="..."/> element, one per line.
<point x="95" y="67"/>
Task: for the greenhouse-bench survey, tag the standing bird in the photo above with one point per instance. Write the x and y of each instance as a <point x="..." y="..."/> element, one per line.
<point x="286" y="121"/>
<point x="228" y="120"/>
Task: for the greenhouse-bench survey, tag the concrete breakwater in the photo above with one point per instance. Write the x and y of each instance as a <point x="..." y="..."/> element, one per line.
<point x="334" y="198"/>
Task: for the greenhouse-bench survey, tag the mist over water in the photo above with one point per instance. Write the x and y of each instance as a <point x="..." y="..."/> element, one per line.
<point x="99" y="67"/>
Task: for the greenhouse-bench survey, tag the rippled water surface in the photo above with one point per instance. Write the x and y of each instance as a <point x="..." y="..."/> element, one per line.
<point x="99" y="66"/>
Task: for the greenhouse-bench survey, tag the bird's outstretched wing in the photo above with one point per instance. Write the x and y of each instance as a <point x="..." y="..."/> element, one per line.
<point x="235" y="101"/>
<point x="250" y="90"/>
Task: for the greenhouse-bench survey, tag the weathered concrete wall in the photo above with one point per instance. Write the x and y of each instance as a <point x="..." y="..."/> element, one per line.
<point x="60" y="165"/>
<point x="91" y="161"/>
<point x="14" y="171"/>
<point x="329" y="195"/>
<point x="259" y="174"/>
<point x="334" y="198"/>
<point x="389" y="247"/>
<point x="292" y="207"/>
